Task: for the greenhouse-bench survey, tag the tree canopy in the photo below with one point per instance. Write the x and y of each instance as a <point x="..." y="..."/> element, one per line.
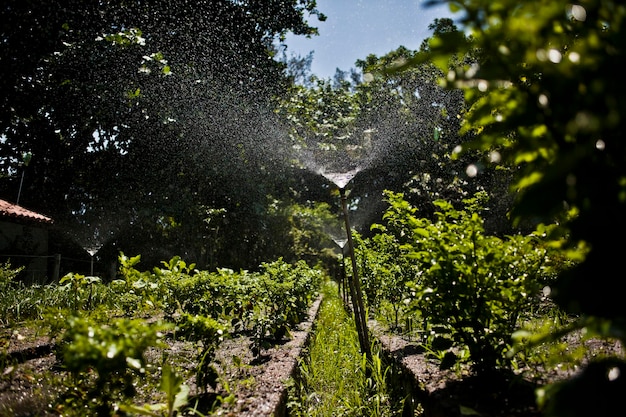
<point x="137" y="114"/>
<point x="545" y="96"/>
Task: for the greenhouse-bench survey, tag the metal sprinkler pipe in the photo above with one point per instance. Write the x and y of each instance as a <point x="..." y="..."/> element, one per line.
<point x="355" y="286"/>
<point x="344" y="279"/>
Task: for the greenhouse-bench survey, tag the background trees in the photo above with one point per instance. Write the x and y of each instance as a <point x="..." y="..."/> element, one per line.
<point x="399" y="128"/>
<point x="171" y="130"/>
<point x="138" y="115"/>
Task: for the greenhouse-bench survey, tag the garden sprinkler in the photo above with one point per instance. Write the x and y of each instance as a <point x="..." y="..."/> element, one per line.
<point x="92" y="252"/>
<point x="342" y="269"/>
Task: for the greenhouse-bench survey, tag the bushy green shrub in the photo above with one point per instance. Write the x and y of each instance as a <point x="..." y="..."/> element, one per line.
<point x="104" y="360"/>
<point x="467" y="288"/>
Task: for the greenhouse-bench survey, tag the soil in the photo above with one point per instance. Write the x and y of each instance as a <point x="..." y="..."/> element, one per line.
<point x="249" y="384"/>
<point x="254" y="385"/>
<point x="457" y="392"/>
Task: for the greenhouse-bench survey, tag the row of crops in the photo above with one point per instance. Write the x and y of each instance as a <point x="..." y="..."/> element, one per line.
<point x="461" y="292"/>
<point x="467" y="297"/>
<point x="104" y="332"/>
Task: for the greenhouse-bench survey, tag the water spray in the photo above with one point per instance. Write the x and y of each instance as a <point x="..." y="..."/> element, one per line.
<point x="340" y="166"/>
<point x="92" y="252"/>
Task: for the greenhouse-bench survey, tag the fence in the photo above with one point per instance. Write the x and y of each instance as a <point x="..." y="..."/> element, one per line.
<point x="47" y="268"/>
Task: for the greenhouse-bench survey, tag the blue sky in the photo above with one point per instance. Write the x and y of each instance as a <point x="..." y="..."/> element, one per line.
<point x="357" y="28"/>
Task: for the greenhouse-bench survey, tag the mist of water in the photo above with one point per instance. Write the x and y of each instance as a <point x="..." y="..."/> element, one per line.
<point x="340" y="179"/>
<point x="341" y="242"/>
<point x="339" y="162"/>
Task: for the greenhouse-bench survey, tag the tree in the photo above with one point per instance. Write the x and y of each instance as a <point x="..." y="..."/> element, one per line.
<point x="397" y="129"/>
<point x="545" y="96"/>
<point x="133" y="110"/>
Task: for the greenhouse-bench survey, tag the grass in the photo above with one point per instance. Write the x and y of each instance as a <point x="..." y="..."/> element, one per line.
<point x="334" y="378"/>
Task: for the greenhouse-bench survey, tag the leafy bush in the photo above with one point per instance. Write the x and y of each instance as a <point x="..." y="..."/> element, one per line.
<point x="279" y="297"/>
<point x="209" y="332"/>
<point x="468" y="288"/>
<point x="104" y="353"/>
<point x="104" y="360"/>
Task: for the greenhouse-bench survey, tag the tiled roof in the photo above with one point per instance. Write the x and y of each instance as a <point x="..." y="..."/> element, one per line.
<point x="13" y="211"/>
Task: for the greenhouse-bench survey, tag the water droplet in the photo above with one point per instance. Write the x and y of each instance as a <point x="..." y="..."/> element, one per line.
<point x="555" y="56"/>
<point x="578" y="12"/>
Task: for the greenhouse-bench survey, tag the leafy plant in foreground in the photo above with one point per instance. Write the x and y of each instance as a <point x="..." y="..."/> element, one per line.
<point x="546" y="97"/>
<point x="469" y="288"/>
<point x="210" y="333"/>
<point x="176" y="396"/>
<point x="104" y="360"/>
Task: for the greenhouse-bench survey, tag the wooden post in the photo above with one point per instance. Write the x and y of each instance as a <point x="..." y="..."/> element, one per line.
<point x="57" y="268"/>
<point x="355" y="287"/>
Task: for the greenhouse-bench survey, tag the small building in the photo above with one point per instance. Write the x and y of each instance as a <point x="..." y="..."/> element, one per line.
<point x="24" y="240"/>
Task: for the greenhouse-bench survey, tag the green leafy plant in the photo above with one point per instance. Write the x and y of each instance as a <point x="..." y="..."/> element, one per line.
<point x="210" y="333"/>
<point x="103" y="359"/>
<point x="567" y="149"/>
<point x="469" y="288"/>
<point x="176" y="397"/>
<point x="136" y="290"/>
<point x="80" y="288"/>
<point x="384" y="272"/>
<point x="7" y="275"/>
<point x="14" y="296"/>
<point x="280" y="295"/>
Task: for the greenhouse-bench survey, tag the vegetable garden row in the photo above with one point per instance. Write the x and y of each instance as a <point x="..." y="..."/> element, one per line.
<point x="177" y="341"/>
<point x="146" y="344"/>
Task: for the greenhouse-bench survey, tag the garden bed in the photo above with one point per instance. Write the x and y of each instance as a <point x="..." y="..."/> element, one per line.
<point x="249" y="385"/>
<point x="457" y="392"/>
<point x="255" y="384"/>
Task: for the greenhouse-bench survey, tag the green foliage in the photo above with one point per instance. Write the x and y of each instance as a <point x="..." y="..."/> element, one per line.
<point x="7" y="276"/>
<point x="546" y="101"/>
<point x="105" y="354"/>
<point x="177" y="265"/>
<point x="468" y="288"/>
<point x="20" y="302"/>
<point x="302" y="228"/>
<point x="130" y="56"/>
<point x="545" y="97"/>
<point x="137" y="291"/>
<point x="80" y="288"/>
<point x="279" y="296"/>
<point x="194" y="327"/>
<point x="209" y="332"/>
<point x="383" y="270"/>
<point x="334" y="378"/>
<point x="104" y="359"/>
<point x="326" y="112"/>
<point x="176" y="395"/>
<point x="11" y="308"/>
